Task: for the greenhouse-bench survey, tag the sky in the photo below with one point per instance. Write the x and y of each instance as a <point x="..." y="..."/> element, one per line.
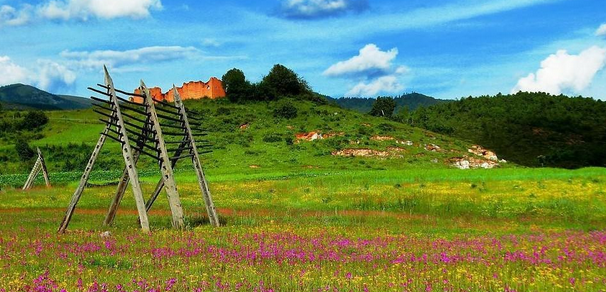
<point x="444" y="48"/>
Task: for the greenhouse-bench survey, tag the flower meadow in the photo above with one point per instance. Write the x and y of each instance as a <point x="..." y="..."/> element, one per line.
<point x="282" y="258"/>
<point x="539" y="233"/>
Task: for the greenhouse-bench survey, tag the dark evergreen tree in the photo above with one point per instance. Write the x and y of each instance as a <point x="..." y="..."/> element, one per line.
<point x="383" y="107"/>
<point x="283" y="82"/>
<point x="236" y="87"/>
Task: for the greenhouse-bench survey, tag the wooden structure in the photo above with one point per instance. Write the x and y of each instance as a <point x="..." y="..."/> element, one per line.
<point x="138" y="129"/>
<point x="39" y="166"/>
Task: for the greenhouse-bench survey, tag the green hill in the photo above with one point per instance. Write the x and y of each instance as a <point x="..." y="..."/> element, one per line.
<point x="411" y="100"/>
<point x="253" y="137"/>
<point x="26" y="97"/>
<point x="531" y="129"/>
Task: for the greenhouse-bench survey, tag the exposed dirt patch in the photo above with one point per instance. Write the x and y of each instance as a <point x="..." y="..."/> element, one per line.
<point x="466" y="162"/>
<point x="433" y="148"/>
<point x="484" y="153"/>
<point x="365" y="152"/>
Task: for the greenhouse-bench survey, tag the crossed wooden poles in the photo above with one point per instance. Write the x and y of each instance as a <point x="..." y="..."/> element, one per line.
<point x="137" y="127"/>
<point x="40" y="165"/>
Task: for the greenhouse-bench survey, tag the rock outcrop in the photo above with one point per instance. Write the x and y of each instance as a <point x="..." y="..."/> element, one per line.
<point x="212" y="89"/>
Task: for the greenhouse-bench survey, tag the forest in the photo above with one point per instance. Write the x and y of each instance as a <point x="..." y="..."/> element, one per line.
<point x="531" y="129"/>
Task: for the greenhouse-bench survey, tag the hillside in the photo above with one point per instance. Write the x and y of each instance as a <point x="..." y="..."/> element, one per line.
<point x="533" y="129"/>
<point x="251" y="138"/>
<point x="20" y="96"/>
<point x="411" y="100"/>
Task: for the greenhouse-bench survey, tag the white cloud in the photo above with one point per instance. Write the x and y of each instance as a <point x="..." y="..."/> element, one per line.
<point x="107" y="9"/>
<point x="601" y="31"/>
<point x="373" y="69"/>
<point x="12" y="17"/>
<point x="53" y="76"/>
<point x="47" y="75"/>
<point x="11" y="73"/>
<point x="370" y="61"/>
<point x="310" y="9"/>
<point x="562" y="72"/>
<point x="116" y="59"/>
<point x="209" y="42"/>
<point x="387" y="84"/>
<point x="77" y="9"/>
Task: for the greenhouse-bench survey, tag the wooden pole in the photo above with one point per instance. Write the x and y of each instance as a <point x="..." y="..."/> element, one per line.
<point x="121" y="189"/>
<point x="89" y="167"/>
<point x="44" y="170"/>
<point x="160" y="184"/>
<point x="210" y="205"/>
<point x="128" y="155"/>
<point x="165" y="163"/>
<point x="32" y="175"/>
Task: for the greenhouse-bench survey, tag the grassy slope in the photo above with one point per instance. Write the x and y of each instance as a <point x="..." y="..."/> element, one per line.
<point x="236" y="150"/>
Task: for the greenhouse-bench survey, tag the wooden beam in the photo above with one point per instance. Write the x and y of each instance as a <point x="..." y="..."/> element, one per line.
<point x="89" y="167"/>
<point x="32" y="175"/>
<point x="160" y="184"/>
<point x="44" y="170"/>
<point x="210" y="205"/>
<point x="165" y="165"/>
<point x="124" y="179"/>
<point x="127" y="153"/>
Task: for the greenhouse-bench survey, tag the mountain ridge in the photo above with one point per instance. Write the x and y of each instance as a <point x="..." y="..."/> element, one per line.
<point x="27" y="97"/>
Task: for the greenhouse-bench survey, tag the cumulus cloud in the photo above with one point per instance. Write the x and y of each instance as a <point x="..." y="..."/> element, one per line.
<point x="77" y="9"/>
<point x="10" y="72"/>
<point x="562" y="72"/>
<point x="601" y="30"/>
<point x="117" y="59"/>
<point x="314" y="9"/>
<point x="47" y="75"/>
<point x="373" y="69"/>
<point x="370" y="61"/>
<point x="388" y="84"/>
<point x="107" y="9"/>
<point x="54" y="77"/>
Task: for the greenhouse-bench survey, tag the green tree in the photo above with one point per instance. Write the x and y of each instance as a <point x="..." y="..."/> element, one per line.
<point x="33" y="120"/>
<point x="383" y="107"/>
<point x="281" y="82"/>
<point x="236" y="87"/>
<point x="24" y="151"/>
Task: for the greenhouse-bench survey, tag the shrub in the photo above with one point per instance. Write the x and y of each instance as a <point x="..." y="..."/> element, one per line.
<point x="285" y="110"/>
<point x="24" y="151"/>
<point x="272" y="138"/>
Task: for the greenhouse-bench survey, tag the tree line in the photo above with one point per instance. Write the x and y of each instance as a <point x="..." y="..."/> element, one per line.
<point x="532" y="129"/>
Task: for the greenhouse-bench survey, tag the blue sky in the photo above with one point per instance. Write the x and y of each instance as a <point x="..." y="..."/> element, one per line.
<point x="445" y="48"/>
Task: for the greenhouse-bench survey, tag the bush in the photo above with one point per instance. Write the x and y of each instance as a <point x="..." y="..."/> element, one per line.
<point x="24" y="151"/>
<point x="285" y="110"/>
<point x="272" y="138"/>
<point x="34" y="120"/>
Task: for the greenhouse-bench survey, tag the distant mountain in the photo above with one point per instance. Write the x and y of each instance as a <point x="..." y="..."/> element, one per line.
<point x="20" y="96"/>
<point x="412" y="100"/>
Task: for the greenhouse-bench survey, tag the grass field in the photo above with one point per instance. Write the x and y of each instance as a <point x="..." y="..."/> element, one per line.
<point x="312" y="230"/>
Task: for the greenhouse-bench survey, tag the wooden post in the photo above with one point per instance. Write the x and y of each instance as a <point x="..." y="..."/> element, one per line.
<point x="43" y="166"/>
<point x="128" y="156"/>
<point x="89" y="167"/>
<point x="32" y="175"/>
<point x="160" y="184"/>
<point x="124" y="179"/>
<point x="120" y="190"/>
<point x="210" y="206"/>
<point x="165" y="164"/>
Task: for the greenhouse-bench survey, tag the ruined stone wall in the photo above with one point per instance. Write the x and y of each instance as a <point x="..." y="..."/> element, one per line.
<point x="212" y="89"/>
